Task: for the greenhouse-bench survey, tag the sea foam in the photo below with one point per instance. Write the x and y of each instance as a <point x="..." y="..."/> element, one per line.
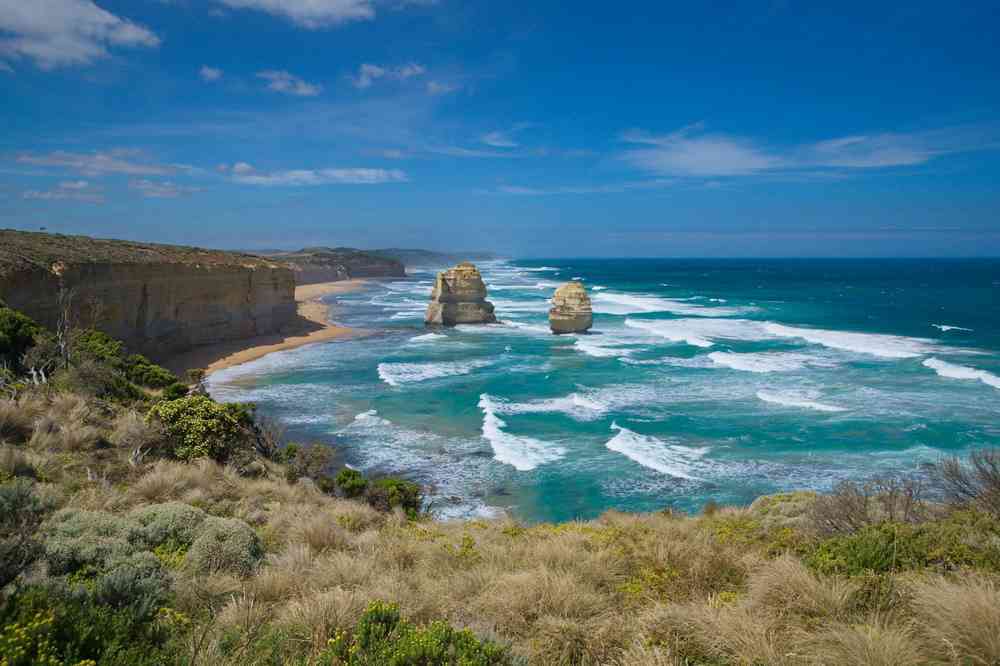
<point x="875" y="344"/>
<point x="944" y="328"/>
<point x="397" y="374"/>
<point x="521" y="453"/>
<point x="795" y="400"/>
<point x="648" y="451"/>
<point x="616" y="303"/>
<point x="952" y="371"/>
<point x="761" y="362"/>
<point x="576" y="405"/>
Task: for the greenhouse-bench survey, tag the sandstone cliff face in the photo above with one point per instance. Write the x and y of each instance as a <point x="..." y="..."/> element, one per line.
<point x="459" y="297"/>
<point x="157" y="299"/>
<point x="571" y="311"/>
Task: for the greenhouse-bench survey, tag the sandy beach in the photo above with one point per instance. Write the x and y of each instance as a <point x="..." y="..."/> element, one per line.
<point x="312" y="326"/>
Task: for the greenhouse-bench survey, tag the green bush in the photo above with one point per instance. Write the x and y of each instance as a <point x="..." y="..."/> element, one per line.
<point x="96" y="379"/>
<point x="963" y="539"/>
<point x="173" y="524"/>
<point x="174" y="391"/>
<point x="225" y="545"/>
<point x="199" y="427"/>
<point x="17" y="334"/>
<point x="85" y="541"/>
<point x="92" y="345"/>
<point x="136" y="580"/>
<point x="306" y="460"/>
<point x="351" y="482"/>
<point x="21" y="512"/>
<point x="144" y="372"/>
<point x="389" y="492"/>
<point x="383" y="638"/>
<point x="42" y="626"/>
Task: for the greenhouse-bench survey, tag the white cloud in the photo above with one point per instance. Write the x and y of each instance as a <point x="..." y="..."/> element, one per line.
<point x="369" y="73"/>
<point x="58" y="33"/>
<point x="610" y="188"/>
<point x="209" y="74"/>
<point x="440" y="88"/>
<point x="692" y="152"/>
<point x="75" y="190"/>
<point x="312" y="14"/>
<point x="285" y="82"/>
<point x="498" y="140"/>
<point x="161" y="190"/>
<point x="98" y="163"/>
<point x="245" y="174"/>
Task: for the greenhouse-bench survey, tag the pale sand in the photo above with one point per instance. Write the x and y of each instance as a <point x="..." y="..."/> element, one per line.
<point x="312" y="326"/>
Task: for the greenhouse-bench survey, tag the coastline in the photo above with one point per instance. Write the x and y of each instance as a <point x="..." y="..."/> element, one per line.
<point x="313" y="325"/>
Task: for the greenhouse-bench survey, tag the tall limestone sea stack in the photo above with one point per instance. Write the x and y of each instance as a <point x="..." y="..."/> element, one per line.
<point x="459" y="297"/>
<point x="571" y="311"/>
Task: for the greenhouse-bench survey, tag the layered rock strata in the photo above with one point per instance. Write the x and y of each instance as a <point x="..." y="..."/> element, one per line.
<point x="158" y="299"/>
<point x="571" y="310"/>
<point x="459" y="297"/>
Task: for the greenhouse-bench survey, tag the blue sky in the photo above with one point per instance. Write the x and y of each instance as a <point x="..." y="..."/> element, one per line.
<point x="532" y="128"/>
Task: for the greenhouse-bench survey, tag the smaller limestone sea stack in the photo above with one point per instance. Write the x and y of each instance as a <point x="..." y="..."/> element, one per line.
<point x="459" y="297"/>
<point x="571" y="311"/>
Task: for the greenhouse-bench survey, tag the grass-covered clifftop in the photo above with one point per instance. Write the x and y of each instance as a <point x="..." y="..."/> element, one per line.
<point x="143" y="523"/>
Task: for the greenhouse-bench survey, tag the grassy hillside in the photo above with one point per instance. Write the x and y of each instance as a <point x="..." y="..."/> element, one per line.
<point x="143" y="523"/>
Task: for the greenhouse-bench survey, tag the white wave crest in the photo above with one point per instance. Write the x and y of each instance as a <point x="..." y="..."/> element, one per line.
<point x="761" y="362"/>
<point x="648" y="451"/>
<point x="397" y="374"/>
<point x="875" y="344"/>
<point x="616" y="303"/>
<point x="575" y="405"/>
<point x="795" y="400"/>
<point x="428" y="337"/>
<point x="700" y="332"/>
<point x="952" y="371"/>
<point x="521" y="453"/>
<point x="944" y="328"/>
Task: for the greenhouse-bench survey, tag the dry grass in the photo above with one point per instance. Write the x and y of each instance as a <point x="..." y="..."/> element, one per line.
<point x="960" y="620"/>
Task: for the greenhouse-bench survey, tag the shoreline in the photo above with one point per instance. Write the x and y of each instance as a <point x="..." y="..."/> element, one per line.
<point x="312" y="326"/>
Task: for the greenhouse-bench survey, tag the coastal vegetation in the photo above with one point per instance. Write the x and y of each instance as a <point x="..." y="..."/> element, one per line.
<point x="141" y="522"/>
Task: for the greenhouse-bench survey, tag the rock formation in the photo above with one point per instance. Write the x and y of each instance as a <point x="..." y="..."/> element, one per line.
<point x="459" y="297"/>
<point x="158" y="299"/>
<point x="571" y="311"/>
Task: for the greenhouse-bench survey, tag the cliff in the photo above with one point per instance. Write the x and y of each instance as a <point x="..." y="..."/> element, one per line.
<point x="326" y="264"/>
<point x="431" y="258"/>
<point x="571" y="310"/>
<point x="459" y="297"/>
<point x="158" y="299"/>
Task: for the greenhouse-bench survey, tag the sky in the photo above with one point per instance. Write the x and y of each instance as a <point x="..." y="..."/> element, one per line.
<point x="530" y="128"/>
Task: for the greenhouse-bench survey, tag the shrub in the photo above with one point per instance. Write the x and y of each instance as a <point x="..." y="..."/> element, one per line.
<point x="85" y="541"/>
<point x="852" y="506"/>
<point x="144" y="372"/>
<point x="135" y="580"/>
<point x="976" y="484"/>
<point x="351" y="482"/>
<point x="199" y="427"/>
<point x="16" y="421"/>
<point x="17" y="334"/>
<point x="92" y="345"/>
<point x="132" y="431"/>
<point x="226" y="545"/>
<point x="174" y="391"/>
<point x="172" y="523"/>
<point x="389" y="492"/>
<point x="96" y="379"/>
<point x="383" y="638"/>
<point x="310" y="461"/>
<point x="21" y="512"/>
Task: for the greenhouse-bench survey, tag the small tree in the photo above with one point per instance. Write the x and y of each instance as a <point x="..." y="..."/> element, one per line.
<point x="975" y="484"/>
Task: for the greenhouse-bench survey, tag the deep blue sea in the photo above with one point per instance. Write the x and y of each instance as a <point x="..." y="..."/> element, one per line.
<point x="701" y="379"/>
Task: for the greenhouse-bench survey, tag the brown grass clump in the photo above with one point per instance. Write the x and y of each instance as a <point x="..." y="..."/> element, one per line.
<point x="960" y="620"/>
<point x="866" y="645"/>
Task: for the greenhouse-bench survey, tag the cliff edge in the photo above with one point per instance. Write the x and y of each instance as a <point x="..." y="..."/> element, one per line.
<point x="158" y="299"/>
<point x="332" y="264"/>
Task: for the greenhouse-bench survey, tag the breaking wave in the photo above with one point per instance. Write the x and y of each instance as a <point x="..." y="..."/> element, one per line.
<point x="795" y="400"/>
<point x="952" y="371"/>
<point x="648" y="451"/>
<point x="397" y="374"/>
<point x="521" y="453"/>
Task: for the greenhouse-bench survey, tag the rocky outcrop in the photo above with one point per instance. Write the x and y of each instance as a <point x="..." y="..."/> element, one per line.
<point x="459" y="297"/>
<point x="331" y="264"/>
<point x="571" y="311"/>
<point x="158" y="299"/>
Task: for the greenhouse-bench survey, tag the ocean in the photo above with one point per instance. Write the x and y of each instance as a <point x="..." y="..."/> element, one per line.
<point x="702" y="380"/>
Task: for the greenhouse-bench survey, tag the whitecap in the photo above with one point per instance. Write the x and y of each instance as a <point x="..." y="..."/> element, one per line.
<point x="576" y="405"/>
<point x="700" y="332"/>
<point x="648" y="451"/>
<point x="521" y="453"/>
<point x="617" y="303"/>
<point x="952" y="371"/>
<point x="875" y="344"/>
<point x="397" y="374"/>
<point x="944" y="328"/>
<point x="796" y="400"/>
<point x="762" y="362"/>
<point x="428" y="337"/>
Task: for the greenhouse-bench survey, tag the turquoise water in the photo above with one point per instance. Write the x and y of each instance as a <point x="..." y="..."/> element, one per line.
<point x="709" y="379"/>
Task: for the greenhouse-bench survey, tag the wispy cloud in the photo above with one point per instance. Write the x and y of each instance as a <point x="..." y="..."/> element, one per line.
<point x="161" y="189"/>
<point x="59" y="33"/>
<point x="441" y="88"/>
<point x="209" y="74"/>
<point x="369" y="73"/>
<point x="289" y="84"/>
<point x="693" y="152"/>
<point x="609" y="188"/>
<point x="74" y="190"/>
<point x="245" y="174"/>
<point x="311" y="14"/>
<point x="504" y="138"/>
<point x="98" y="163"/>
